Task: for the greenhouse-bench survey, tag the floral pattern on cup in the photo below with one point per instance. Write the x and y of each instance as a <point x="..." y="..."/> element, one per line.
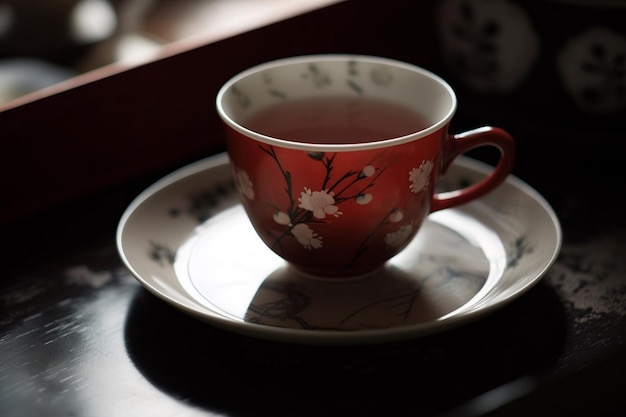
<point x="244" y="184"/>
<point x="592" y="66"/>
<point x="314" y="76"/>
<point x="312" y="206"/>
<point x="420" y="177"/>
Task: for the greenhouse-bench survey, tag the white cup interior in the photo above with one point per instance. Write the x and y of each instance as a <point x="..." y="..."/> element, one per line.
<point x="332" y="75"/>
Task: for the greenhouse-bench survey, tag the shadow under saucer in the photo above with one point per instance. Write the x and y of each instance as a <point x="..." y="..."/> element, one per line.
<point x="229" y="373"/>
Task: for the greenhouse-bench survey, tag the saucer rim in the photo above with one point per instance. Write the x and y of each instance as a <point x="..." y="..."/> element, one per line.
<point x="325" y="337"/>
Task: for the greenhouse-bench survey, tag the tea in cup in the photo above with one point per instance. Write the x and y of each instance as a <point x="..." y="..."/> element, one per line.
<point x="336" y="157"/>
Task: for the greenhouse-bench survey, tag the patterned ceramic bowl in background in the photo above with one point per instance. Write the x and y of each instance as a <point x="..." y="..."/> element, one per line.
<point x="557" y="64"/>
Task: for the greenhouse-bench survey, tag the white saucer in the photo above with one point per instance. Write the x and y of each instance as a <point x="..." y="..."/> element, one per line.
<point x="187" y="240"/>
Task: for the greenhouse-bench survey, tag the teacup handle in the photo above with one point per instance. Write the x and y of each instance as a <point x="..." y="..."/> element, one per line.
<point x="461" y="143"/>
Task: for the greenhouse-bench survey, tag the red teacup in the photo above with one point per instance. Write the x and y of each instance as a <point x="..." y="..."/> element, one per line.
<point x="336" y="157"/>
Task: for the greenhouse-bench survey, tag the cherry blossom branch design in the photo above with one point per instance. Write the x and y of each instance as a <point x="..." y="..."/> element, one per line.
<point x="323" y="204"/>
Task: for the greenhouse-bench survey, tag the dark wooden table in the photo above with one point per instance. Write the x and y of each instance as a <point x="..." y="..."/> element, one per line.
<point x="79" y="336"/>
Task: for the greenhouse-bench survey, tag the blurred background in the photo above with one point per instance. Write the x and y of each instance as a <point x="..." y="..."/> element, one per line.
<point x="43" y="42"/>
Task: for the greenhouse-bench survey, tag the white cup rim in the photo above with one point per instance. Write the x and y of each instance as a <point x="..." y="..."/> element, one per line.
<point x="341" y="147"/>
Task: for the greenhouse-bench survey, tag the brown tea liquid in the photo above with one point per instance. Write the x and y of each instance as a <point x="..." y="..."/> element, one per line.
<point x="336" y="120"/>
